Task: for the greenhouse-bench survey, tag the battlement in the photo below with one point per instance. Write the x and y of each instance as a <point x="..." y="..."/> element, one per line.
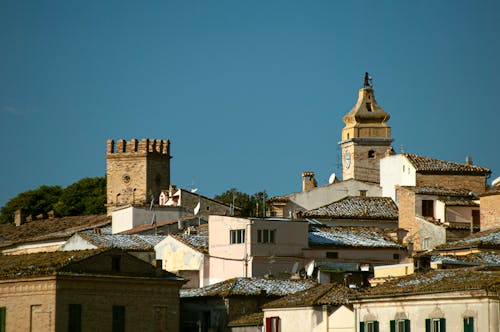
<point x="146" y="145"/>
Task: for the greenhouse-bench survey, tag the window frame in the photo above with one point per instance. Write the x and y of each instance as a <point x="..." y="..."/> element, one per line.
<point x="118" y="318"/>
<point x="428" y="208"/>
<point x="74" y="317"/>
<point x="266" y="236"/>
<point x="3" y="319"/>
<point x="237" y="236"/>
<point x="272" y="324"/>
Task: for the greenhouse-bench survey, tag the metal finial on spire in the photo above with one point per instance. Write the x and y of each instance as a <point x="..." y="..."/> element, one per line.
<point x="368" y="81"/>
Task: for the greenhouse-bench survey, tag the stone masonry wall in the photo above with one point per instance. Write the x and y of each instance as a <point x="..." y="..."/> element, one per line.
<point x="475" y="183"/>
<point x="490" y="211"/>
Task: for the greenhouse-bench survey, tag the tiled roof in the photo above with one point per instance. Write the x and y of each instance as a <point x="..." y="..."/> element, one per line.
<point x="463" y="279"/>
<point x="51" y="228"/>
<point x="439" y="191"/>
<point x="357" y="207"/>
<point x="345" y="236"/>
<point x="122" y="241"/>
<point x="333" y="294"/>
<point x="485" y="239"/>
<point x="249" y="287"/>
<point x="432" y="165"/>
<point x="481" y="258"/>
<point x="38" y="264"/>
<point x="248" y="320"/>
<point x="197" y="242"/>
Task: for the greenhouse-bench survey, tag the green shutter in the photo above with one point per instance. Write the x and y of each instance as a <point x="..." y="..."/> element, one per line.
<point x="361" y="326"/>
<point x="442" y="325"/>
<point x="407" y="325"/>
<point x="468" y="324"/>
<point x="427" y="325"/>
<point x="392" y="325"/>
<point x="3" y="311"/>
<point x="375" y="326"/>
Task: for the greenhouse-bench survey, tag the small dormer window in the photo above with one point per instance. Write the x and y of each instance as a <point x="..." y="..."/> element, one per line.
<point x="371" y="154"/>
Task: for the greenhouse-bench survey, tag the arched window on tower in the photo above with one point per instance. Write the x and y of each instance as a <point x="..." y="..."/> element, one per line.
<point x="371" y="154"/>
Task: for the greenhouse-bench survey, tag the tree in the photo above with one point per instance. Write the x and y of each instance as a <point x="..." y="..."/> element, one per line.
<point x="87" y="196"/>
<point x="31" y="202"/>
<point x="249" y="205"/>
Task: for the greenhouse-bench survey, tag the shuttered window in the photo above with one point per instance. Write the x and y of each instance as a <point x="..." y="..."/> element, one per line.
<point x="435" y="325"/>
<point x="469" y="324"/>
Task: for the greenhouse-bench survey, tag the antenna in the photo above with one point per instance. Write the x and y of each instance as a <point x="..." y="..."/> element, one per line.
<point x="332" y="178"/>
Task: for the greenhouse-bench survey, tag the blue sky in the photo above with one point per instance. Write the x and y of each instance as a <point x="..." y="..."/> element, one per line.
<point x="250" y="93"/>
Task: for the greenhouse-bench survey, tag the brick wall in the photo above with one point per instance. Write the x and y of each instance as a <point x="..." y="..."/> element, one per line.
<point x="475" y="183"/>
<point x="406" y="208"/>
<point x="490" y="211"/>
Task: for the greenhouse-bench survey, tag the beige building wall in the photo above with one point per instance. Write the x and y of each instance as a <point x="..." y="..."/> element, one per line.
<point x="369" y="255"/>
<point x="490" y="210"/>
<point x="314" y="319"/>
<point x="451" y="306"/>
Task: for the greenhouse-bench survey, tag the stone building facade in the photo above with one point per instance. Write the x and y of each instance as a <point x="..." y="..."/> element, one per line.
<point x="490" y="208"/>
<point x="136" y="171"/>
<point x="366" y="138"/>
<point x="87" y="291"/>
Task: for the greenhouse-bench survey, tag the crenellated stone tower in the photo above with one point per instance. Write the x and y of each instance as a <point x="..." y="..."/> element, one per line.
<point x="136" y="171"/>
<point x="366" y="137"/>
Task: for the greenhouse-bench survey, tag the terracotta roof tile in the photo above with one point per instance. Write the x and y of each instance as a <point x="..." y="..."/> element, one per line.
<point x="357" y="207"/>
<point x="194" y="241"/>
<point x="439" y="281"/>
<point x="122" y="241"/>
<point x="249" y="287"/>
<point x="432" y="165"/>
<point x="485" y="239"/>
<point x="333" y="294"/>
<point x="345" y="236"/>
<point x="248" y="320"/>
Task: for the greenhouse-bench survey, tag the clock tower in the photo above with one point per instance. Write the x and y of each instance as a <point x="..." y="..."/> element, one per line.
<point x="136" y="171"/>
<point x="366" y="137"/>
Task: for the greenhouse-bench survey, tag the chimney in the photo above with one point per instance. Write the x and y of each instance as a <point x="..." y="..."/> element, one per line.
<point x="468" y="160"/>
<point x="18" y="217"/>
<point x="308" y="181"/>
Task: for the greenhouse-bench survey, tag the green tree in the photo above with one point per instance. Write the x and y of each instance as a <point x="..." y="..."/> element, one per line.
<point x="87" y="196"/>
<point x="31" y="202"/>
<point x="248" y="205"/>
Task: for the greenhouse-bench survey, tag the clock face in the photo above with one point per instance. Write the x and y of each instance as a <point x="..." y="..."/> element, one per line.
<point x="126" y="178"/>
<point x="347" y="158"/>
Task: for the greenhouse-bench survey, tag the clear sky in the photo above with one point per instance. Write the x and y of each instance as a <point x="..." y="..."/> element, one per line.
<point x="250" y="93"/>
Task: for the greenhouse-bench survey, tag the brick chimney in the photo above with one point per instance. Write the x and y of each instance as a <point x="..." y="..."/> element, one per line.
<point x="308" y="181"/>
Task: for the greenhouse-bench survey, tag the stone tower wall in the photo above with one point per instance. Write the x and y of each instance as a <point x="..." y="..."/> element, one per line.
<point x="135" y="170"/>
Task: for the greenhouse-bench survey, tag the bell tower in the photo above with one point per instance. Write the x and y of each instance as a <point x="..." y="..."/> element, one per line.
<point x="136" y="170"/>
<point x="366" y="137"/>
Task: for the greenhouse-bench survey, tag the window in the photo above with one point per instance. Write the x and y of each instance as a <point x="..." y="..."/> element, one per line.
<point x="237" y="236"/>
<point x="272" y="324"/>
<point x="266" y="235"/>
<point x="115" y="263"/>
<point x="371" y="154"/>
<point x="435" y="325"/>
<point x="395" y="256"/>
<point x="428" y="208"/>
<point x="371" y="326"/>
<point x="468" y="324"/>
<point x="118" y="318"/>
<point x="426" y="243"/>
<point x="475" y="217"/>
<point x="74" y="318"/>
<point x="369" y="107"/>
<point x="3" y="314"/>
<point x="332" y="254"/>
<point x="401" y="325"/>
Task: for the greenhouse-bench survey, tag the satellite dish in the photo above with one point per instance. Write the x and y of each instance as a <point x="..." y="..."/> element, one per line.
<point x="332" y="178"/>
<point x="496" y="182"/>
<point x="197" y="208"/>
<point x="295" y="267"/>
<point x="310" y="269"/>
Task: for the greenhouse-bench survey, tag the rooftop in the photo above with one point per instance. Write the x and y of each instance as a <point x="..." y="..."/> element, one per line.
<point x="249" y="287"/>
<point x="333" y="294"/>
<point x="122" y="241"/>
<point x="345" y="236"/>
<point x="463" y="279"/>
<point x="195" y="241"/>
<point x="381" y="208"/>
<point x="485" y="239"/>
<point x="444" y="192"/>
<point x="432" y="165"/>
<point x="46" y="229"/>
